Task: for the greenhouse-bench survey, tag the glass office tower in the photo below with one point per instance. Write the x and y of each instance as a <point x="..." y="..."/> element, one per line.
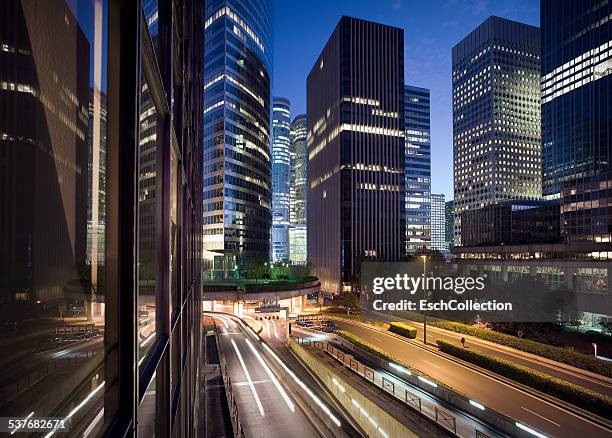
<point x="576" y="90"/>
<point x="438" y="222"/>
<point x="298" y="230"/>
<point x="281" y="177"/>
<point x="449" y="223"/>
<point x="418" y="168"/>
<point x="299" y="170"/>
<point x="94" y="122"/>
<point x="496" y="116"/>
<point x="237" y="164"/>
<point x="355" y="109"/>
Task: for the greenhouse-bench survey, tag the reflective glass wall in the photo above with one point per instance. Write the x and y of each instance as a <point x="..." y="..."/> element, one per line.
<point x="100" y="214"/>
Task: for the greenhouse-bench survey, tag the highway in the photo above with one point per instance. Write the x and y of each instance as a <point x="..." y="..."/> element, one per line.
<point x="466" y="424"/>
<point x="434" y="333"/>
<point x="542" y="416"/>
<point x="265" y="407"/>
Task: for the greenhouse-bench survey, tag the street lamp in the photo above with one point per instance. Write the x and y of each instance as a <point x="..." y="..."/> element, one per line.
<point x="424" y="257"/>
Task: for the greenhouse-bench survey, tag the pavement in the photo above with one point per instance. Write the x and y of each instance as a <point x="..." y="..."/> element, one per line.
<point x="582" y="378"/>
<point x="537" y="413"/>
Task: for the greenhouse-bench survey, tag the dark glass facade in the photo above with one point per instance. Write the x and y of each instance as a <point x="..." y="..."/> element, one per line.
<point x="449" y="222"/>
<point x="512" y="223"/>
<point x="496" y="116"/>
<point x="237" y="179"/>
<point x="100" y="214"/>
<point x="355" y="108"/>
<point x="418" y="168"/>
<point x="586" y="208"/>
<point x="576" y="90"/>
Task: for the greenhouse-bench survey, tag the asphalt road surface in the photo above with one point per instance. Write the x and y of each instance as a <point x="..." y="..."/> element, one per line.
<point x="525" y="408"/>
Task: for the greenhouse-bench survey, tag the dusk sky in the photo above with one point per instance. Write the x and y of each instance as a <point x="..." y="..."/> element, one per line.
<point x="431" y="29"/>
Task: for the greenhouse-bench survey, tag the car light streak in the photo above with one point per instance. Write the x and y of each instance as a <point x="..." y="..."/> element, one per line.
<point x="429" y="382"/>
<point x="530" y="430"/>
<point x="248" y="377"/>
<point x="400" y="369"/>
<point x="79" y="406"/>
<point x="305" y="388"/>
<point x="478" y="405"/>
<point x="272" y="376"/>
<point x="21" y="424"/>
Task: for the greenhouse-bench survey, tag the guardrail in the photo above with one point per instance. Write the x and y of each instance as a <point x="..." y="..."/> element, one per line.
<point x="237" y="427"/>
<point x="440" y="416"/>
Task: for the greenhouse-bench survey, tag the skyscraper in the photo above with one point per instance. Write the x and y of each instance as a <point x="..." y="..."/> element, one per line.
<point x="438" y="222"/>
<point x="299" y="188"/>
<point x="237" y="163"/>
<point x="449" y="223"/>
<point x="496" y="116"/>
<point x="299" y="169"/>
<point x="418" y="168"/>
<point x="576" y="90"/>
<point x="355" y="108"/>
<point x="281" y="177"/>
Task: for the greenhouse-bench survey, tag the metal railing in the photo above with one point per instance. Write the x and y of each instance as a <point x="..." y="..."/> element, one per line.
<point x="442" y="417"/>
<point x="237" y="427"/>
<point x="446" y="420"/>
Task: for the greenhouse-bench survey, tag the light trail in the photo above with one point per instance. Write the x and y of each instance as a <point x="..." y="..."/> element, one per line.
<point x="308" y="391"/>
<point x="272" y="376"/>
<point x="21" y="424"/>
<point x="248" y="377"/>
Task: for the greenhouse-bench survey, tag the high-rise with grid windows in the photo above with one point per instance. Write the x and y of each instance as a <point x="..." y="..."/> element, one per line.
<point x="418" y="168"/>
<point x="237" y="107"/>
<point x="496" y="116"/>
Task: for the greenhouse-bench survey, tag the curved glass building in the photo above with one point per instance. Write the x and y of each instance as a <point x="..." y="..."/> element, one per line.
<point x="299" y="165"/>
<point x="237" y="164"/>
<point x="281" y="174"/>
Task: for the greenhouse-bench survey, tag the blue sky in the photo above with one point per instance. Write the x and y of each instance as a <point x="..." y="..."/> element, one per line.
<point x="431" y="29"/>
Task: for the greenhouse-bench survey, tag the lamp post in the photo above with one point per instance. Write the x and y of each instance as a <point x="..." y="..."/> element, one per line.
<point x="424" y="257"/>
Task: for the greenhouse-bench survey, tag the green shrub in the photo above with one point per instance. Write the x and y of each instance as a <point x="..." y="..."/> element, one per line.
<point x="572" y="358"/>
<point x="358" y="342"/>
<point x="569" y="392"/>
<point x="403" y="329"/>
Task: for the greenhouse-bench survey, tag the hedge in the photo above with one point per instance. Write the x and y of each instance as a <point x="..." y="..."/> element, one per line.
<point x="357" y="341"/>
<point x="585" y="398"/>
<point x="559" y="354"/>
<point x="403" y="329"/>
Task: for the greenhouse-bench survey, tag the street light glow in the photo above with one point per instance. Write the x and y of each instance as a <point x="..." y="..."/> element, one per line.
<point x="478" y="405"/>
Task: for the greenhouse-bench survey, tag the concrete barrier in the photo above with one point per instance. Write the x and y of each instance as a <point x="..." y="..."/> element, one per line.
<point x="358" y="399"/>
<point x="460" y="401"/>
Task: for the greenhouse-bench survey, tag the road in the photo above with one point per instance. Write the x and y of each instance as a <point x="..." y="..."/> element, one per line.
<point x="522" y="406"/>
<point x="434" y="333"/>
<point x="466" y="424"/>
<point x="264" y="406"/>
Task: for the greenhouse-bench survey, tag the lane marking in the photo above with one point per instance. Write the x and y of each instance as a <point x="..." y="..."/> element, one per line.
<point x="485" y="376"/>
<point x="278" y="386"/>
<point x="541" y="416"/>
<point x="249" y="380"/>
<point x="431" y="363"/>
